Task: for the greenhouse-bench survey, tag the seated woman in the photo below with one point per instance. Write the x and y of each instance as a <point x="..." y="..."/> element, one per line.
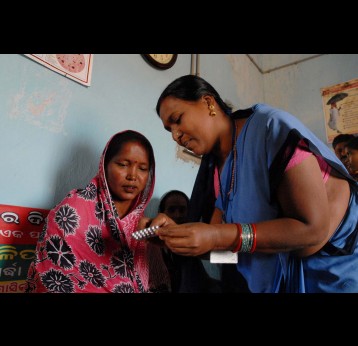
<point x="86" y="243"/>
<point x="175" y="204"/>
<point x="187" y="274"/>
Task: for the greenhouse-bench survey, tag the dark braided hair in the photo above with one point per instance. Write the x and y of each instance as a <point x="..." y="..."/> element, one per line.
<point x="192" y="88"/>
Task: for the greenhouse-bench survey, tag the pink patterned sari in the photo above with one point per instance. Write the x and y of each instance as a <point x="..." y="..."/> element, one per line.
<point x="86" y="248"/>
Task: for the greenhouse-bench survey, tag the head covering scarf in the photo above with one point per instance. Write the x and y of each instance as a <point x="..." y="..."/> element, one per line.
<point x="86" y="247"/>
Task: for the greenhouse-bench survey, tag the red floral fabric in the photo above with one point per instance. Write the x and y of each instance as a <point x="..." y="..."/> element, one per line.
<point x="86" y="247"/>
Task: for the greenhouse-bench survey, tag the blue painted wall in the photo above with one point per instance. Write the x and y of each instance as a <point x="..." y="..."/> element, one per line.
<point x="53" y="129"/>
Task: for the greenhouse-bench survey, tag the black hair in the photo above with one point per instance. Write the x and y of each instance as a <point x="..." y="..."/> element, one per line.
<point x="192" y="88"/>
<point x="352" y="143"/>
<point x="121" y="138"/>
<point x="344" y="137"/>
<point x="169" y="194"/>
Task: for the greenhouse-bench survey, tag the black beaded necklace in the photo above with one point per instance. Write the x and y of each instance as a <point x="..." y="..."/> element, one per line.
<point x="233" y="167"/>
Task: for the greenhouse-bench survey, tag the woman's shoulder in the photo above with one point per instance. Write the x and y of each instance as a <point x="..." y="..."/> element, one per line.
<point x="269" y="111"/>
<point x="78" y="196"/>
<point x="72" y="199"/>
<point x="273" y="116"/>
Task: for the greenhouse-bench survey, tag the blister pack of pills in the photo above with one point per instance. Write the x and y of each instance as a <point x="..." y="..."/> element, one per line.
<point x="145" y="233"/>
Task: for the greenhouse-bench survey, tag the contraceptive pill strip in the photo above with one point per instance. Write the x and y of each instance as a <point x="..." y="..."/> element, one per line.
<point x="145" y="233"/>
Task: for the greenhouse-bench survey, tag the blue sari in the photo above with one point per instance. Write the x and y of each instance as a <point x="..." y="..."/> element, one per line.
<point x="264" y="148"/>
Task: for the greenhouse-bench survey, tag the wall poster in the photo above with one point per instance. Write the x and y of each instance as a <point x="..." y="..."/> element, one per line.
<point x="340" y="108"/>
<point x="75" y="66"/>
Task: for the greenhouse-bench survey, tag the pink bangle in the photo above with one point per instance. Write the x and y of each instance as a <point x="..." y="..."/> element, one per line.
<point x="253" y="226"/>
<point x="239" y="243"/>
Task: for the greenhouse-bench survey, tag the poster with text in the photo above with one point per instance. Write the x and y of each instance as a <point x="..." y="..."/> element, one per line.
<point x="75" y="66"/>
<point x="20" y="228"/>
<point x="340" y="108"/>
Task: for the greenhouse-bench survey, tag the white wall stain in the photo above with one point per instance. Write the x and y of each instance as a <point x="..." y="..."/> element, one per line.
<point x="44" y="108"/>
<point x="37" y="105"/>
<point x="15" y="102"/>
<point x="181" y="155"/>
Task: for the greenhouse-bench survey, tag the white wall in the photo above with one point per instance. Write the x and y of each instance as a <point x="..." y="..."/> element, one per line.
<point x="248" y="79"/>
<point x="297" y="88"/>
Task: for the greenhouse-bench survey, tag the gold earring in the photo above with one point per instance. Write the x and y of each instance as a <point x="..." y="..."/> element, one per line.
<point x="212" y="113"/>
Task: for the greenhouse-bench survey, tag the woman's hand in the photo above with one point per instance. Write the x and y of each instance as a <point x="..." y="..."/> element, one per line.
<point x="188" y="239"/>
<point x="144" y="222"/>
<point x="160" y="220"/>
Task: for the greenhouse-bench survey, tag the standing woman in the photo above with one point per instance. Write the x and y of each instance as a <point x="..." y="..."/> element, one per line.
<point x="86" y="244"/>
<point x="283" y="200"/>
<point x="334" y="117"/>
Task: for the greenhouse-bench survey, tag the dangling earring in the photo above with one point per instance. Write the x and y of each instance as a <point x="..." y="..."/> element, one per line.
<point x="212" y="113"/>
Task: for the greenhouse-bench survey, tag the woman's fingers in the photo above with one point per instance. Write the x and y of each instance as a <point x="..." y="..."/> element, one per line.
<point x="144" y="222"/>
